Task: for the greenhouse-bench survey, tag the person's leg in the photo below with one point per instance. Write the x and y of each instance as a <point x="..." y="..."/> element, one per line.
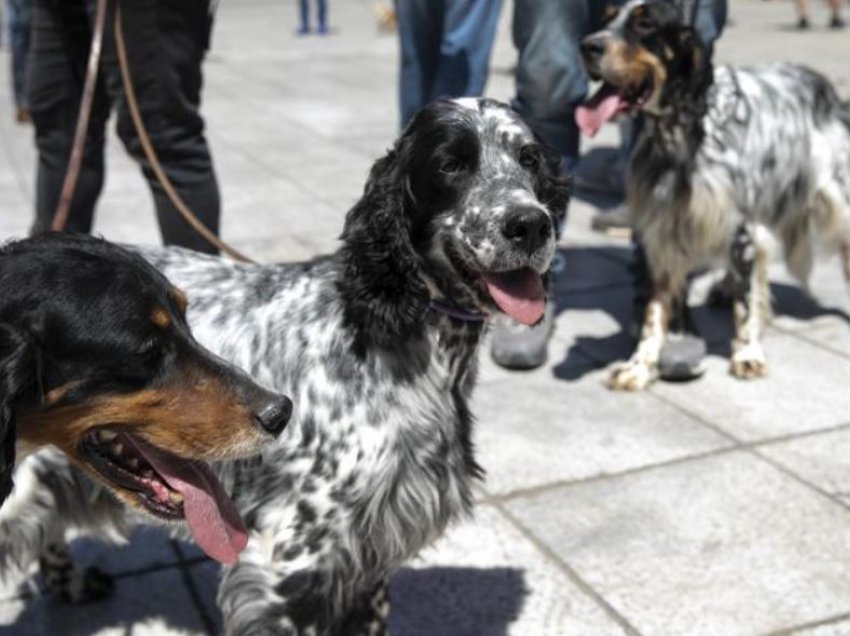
<point x="61" y="36"/>
<point x="550" y="78"/>
<point x="303" y="16"/>
<point x="322" y="9"/>
<point x="19" y="15"/>
<point x="420" y="31"/>
<point x="802" y="13"/>
<point x="166" y="43"/>
<point x="468" y="33"/>
<point x="835" y="20"/>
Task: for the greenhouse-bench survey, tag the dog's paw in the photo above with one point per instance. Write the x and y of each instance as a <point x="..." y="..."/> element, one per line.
<point x="87" y="586"/>
<point x="748" y="362"/>
<point x="633" y="375"/>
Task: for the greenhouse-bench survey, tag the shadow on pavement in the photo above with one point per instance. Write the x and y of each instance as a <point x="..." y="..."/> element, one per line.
<point x="456" y="601"/>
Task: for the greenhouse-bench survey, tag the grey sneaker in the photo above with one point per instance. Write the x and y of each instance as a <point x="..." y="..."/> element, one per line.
<point x="613" y="222"/>
<point x="516" y="346"/>
<point x="682" y="358"/>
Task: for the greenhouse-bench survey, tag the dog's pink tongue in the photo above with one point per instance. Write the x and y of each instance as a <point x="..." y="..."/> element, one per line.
<point x="519" y="294"/>
<point x="211" y="516"/>
<point x="604" y="105"/>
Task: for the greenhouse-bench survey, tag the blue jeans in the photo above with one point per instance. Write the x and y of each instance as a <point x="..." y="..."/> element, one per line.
<point x="445" y="49"/>
<point x="19" y="15"/>
<point x="321" y="17"/>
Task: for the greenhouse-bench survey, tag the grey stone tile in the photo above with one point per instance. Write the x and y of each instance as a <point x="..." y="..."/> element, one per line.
<point x="805" y="390"/>
<point x="484" y="577"/>
<point x="534" y="430"/>
<point x="820" y="459"/>
<point x="155" y="604"/>
<point x="832" y="333"/>
<point x="721" y="545"/>
<point x="840" y="628"/>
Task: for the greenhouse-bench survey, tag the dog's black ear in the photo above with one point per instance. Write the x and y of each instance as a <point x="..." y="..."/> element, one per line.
<point x="381" y="285"/>
<point x="18" y="380"/>
<point x="690" y="74"/>
<point x="553" y="184"/>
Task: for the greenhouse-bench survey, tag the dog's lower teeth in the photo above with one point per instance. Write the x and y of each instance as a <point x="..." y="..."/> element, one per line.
<point x="117" y="448"/>
<point x="175" y="497"/>
<point x="133" y="463"/>
<point x="148" y="473"/>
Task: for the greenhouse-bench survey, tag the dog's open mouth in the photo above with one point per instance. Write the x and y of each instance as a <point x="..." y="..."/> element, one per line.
<point x="169" y="487"/>
<point x="608" y="102"/>
<point x="519" y="293"/>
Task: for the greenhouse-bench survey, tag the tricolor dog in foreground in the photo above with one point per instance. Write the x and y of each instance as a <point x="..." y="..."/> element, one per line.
<point x="377" y="344"/>
<point x="96" y="360"/>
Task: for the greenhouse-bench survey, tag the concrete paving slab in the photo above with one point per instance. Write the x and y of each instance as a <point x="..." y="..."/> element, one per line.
<point x="534" y="431"/>
<point x="786" y="401"/>
<point x="720" y="545"/>
<point x="819" y="459"/>
<point x="485" y="577"/>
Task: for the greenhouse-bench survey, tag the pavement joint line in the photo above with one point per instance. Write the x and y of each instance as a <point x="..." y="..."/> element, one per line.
<point x="752" y="448"/>
<point x="790" y="631"/>
<point x="207" y="621"/>
<point x="596" y="288"/>
<point x="497" y="498"/>
<point x="570" y="573"/>
<point x="800" y="334"/>
<point x="531" y="491"/>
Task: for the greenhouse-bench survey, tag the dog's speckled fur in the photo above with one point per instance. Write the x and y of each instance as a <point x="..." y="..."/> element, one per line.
<point x="378" y="458"/>
<point x="727" y="158"/>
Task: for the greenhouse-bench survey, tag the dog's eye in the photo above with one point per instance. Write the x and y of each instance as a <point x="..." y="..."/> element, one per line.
<point x="452" y="166"/>
<point x="528" y="158"/>
<point x="147" y="349"/>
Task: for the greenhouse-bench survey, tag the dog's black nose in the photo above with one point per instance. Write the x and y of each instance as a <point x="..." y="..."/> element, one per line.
<point x="275" y="416"/>
<point x="527" y="228"/>
<point x="593" y="46"/>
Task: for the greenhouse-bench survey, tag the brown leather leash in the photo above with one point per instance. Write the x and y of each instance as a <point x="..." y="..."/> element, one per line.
<point x="72" y="174"/>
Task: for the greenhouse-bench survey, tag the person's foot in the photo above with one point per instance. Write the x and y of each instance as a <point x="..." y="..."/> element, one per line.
<point x="836" y="22"/>
<point x="803" y="23"/>
<point x="303" y="30"/>
<point x="516" y="346"/>
<point x="682" y="358"/>
<point x="614" y="222"/>
<point x="323" y="29"/>
<point x="604" y="177"/>
<point x="22" y="115"/>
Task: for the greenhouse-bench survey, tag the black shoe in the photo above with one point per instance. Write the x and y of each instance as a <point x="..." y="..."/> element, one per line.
<point x="836" y="22"/>
<point x="682" y="358"/>
<point x="803" y="24"/>
<point x="613" y="222"/>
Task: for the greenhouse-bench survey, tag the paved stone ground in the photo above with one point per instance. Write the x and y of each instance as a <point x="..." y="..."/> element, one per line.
<point x="712" y="508"/>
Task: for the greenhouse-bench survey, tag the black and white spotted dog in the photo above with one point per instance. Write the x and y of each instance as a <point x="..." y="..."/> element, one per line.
<point x="729" y="159"/>
<point x="377" y="346"/>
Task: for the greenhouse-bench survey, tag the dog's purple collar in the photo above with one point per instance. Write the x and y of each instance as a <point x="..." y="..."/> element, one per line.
<point x="453" y="312"/>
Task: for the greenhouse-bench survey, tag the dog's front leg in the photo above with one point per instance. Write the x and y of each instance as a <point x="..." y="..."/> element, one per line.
<point x="642" y="368"/>
<point x="751" y="306"/>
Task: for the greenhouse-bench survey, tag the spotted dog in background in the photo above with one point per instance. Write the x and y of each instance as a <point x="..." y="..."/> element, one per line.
<point x="727" y="158"/>
<point x="96" y="360"/>
<point x="377" y="344"/>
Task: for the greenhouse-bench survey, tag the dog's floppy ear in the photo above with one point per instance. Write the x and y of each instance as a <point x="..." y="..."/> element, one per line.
<point x="381" y="285"/>
<point x="18" y="381"/>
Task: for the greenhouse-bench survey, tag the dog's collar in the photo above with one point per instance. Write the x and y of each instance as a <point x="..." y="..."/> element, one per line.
<point x="452" y="311"/>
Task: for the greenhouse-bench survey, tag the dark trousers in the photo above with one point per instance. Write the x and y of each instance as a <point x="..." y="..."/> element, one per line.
<point x="166" y="41"/>
<point x="445" y="49"/>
